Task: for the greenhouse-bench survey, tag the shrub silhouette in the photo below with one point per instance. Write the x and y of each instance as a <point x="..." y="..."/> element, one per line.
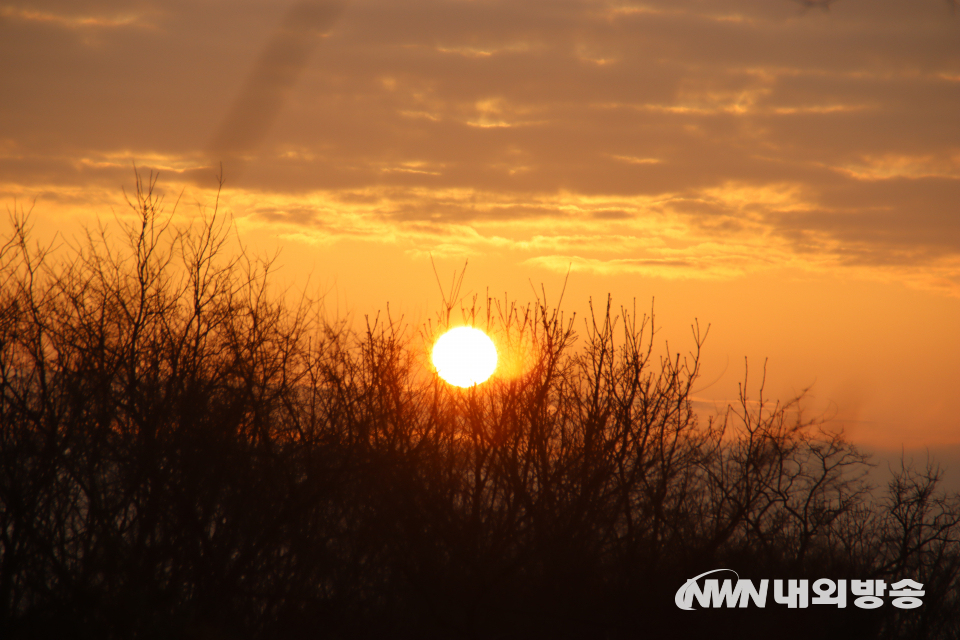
<point x="187" y="454"/>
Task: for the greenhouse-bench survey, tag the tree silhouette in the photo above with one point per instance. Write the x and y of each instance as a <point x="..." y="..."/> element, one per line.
<point x="185" y="453"/>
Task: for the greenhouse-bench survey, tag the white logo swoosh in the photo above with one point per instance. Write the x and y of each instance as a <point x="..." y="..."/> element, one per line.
<point x="681" y="596"/>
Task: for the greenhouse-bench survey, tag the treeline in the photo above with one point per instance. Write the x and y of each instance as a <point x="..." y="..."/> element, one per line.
<point x="185" y="454"/>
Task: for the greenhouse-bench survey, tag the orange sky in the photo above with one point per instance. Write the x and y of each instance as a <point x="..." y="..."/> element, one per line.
<point x="787" y="172"/>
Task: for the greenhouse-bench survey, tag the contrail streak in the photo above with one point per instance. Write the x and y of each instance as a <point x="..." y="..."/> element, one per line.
<point x="274" y="75"/>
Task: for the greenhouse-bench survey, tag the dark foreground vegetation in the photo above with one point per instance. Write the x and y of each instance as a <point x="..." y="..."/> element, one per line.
<point x="183" y="454"/>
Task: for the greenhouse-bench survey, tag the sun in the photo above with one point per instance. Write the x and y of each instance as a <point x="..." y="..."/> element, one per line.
<point x="464" y="356"/>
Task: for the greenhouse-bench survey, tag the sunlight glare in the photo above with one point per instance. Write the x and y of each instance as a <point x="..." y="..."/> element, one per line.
<point x="464" y="356"/>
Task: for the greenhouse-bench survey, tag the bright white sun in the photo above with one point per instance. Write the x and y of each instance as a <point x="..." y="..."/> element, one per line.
<point x="464" y="356"/>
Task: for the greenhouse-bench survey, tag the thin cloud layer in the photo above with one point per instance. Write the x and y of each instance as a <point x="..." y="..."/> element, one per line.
<point x="674" y="139"/>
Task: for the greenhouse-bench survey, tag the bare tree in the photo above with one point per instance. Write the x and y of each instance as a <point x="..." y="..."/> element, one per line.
<point x="186" y="453"/>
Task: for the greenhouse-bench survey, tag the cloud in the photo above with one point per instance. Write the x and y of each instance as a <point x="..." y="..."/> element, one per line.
<point x="74" y="21"/>
<point x="608" y="132"/>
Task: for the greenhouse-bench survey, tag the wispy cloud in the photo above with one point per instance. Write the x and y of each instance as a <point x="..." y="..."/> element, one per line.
<point x="656" y="137"/>
<point x="72" y="21"/>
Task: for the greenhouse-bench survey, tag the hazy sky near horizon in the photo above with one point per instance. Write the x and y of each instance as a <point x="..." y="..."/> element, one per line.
<point x="788" y="172"/>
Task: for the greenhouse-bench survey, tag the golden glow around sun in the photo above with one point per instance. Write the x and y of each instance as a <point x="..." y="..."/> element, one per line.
<point x="464" y="356"/>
